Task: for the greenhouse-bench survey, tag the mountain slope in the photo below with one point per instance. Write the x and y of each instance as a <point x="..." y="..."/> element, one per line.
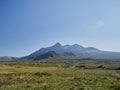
<point x="50" y="54"/>
<point x="76" y="51"/>
<point x="58" y="48"/>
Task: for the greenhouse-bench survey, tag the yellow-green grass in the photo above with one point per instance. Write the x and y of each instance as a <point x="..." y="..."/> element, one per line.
<point x="28" y="77"/>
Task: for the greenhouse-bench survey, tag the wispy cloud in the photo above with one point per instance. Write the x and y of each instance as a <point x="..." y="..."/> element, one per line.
<point x="97" y="25"/>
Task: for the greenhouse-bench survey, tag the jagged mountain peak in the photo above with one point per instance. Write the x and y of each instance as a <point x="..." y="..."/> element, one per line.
<point x="76" y="51"/>
<point x="77" y="46"/>
<point x="57" y="44"/>
<point x="59" y="49"/>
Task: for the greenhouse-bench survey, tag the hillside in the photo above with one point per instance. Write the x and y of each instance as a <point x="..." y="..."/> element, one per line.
<point x="7" y="58"/>
<point x="77" y="52"/>
<point x="50" y="54"/>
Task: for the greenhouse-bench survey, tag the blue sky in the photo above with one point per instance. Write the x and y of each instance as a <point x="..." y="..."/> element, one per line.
<point x="28" y="25"/>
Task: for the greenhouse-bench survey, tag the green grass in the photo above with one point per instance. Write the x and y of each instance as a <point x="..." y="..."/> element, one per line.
<point x="60" y="75"/>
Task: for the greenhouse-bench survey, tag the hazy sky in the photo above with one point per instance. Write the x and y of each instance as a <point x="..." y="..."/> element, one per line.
<point x="28" y="25"/>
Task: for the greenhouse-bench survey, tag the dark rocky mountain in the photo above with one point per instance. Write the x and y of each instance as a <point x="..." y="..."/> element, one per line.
<point x="50" y="54"/>
<point x="76" y="51"/>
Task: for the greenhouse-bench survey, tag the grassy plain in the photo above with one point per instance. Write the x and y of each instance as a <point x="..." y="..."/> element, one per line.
<point x="60" y="75"/>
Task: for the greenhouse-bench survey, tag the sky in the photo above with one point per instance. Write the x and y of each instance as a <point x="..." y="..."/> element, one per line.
<point x="28" y="25"/>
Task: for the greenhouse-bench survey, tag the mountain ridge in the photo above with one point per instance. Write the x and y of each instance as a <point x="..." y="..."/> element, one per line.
<point x="74" y="51"/>
<point x="77" y="51"/>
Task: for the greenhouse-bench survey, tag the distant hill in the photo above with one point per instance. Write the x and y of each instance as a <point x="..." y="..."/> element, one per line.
<point x="75" y="51"/>
<point x="7" y="58"/>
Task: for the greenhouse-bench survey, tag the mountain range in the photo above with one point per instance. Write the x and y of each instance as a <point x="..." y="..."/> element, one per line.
<point x="75" y="51"/>
<point x="68" y="51"/>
